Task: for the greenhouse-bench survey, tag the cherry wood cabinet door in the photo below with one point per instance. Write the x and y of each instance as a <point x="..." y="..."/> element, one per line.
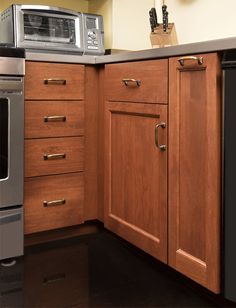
<point x="194" y="183"/>
<point x="136" y="175"/>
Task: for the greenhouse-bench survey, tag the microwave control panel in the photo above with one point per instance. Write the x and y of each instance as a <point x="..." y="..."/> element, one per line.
<point x="93" y="34"/>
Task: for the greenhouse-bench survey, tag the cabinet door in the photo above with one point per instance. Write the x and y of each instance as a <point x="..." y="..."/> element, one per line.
<point x="195" y="168"/>
<point x="136" y="175"/>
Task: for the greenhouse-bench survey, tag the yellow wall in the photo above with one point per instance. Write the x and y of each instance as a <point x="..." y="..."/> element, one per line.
<point x="77" y="5"/>
<point x="130" y="23"/>
<point x="126" y="22"/>
<point x="201" y="20"/>
<point x="104" y="8"/>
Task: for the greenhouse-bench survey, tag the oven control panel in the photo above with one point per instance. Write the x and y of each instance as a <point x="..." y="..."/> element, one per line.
<point x="93" y="34"/>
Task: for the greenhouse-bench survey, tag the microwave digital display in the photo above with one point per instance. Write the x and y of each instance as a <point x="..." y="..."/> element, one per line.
<point x="49" y="29"/>
<point x="91" y="23"/>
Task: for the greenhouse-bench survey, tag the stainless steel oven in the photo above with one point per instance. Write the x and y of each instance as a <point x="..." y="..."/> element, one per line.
<point x="11" y="151"/>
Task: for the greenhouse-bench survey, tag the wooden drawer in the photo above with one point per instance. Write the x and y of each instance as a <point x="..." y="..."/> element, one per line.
<point x="71" y="159"/>
<point x="40" y="216"/>
<point x="153" y="77"/>
<point x="54" y="81"/>
<point x="54" y="119"/>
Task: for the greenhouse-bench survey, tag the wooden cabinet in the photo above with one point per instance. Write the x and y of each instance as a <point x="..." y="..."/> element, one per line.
<point x="136" y="169"/>
<point x="54" y="145"/>
<point x="194" y="187"/>
<point x="160" y="123"/>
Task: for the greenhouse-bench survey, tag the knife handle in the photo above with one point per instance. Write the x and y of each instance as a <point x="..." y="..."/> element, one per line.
<point x="164" y="8"/>
<point x="154" y="15"/>
<point x="152" y="24"/>
<point x="152" y="20"/>
<point x="166" y="20"/>
<point x="164" y="17"/>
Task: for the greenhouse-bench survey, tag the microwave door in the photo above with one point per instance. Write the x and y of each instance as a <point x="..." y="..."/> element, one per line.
<point x="50" y="31"/>
<point x="35" y="27"/>
<point x="41" y="30"/>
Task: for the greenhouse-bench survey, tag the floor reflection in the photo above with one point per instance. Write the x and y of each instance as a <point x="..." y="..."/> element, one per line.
<point x="98" y="270"/>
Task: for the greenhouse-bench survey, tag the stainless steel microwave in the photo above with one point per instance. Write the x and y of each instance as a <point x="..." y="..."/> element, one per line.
<point x="40" y="27"/>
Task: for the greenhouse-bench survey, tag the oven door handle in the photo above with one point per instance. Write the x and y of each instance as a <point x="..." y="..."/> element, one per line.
<point x="7" y="84"/>
<point x="10" y="218"/>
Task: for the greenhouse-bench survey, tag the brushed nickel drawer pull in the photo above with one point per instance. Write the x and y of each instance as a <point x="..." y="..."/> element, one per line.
<point x="162" y="147"/>
<point x="54" y="119"/>
<point x="54" y="156"/>
<point x="127" y="81"/>
<point x="187" y="58"/>
<point x="54" y="202"/>
<point x="55" y="81"/>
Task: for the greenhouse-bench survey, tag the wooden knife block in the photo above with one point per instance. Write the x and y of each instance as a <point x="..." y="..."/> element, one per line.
<point x="159" y="38"/>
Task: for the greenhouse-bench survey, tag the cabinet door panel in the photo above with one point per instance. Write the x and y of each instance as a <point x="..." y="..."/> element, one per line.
<point x="194" y="169"/>
<point x="136" y="190"/>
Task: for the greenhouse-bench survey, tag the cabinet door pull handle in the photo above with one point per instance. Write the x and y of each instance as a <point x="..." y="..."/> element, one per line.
<point x="162" y="147"/>
<point x="128" y="81"/>
<point x="187" y="58"/>
<point x="55" y="81"/>
<point x="54" y="156"/>
<point x="54" y="202"/>
<point x="54" y="119"/>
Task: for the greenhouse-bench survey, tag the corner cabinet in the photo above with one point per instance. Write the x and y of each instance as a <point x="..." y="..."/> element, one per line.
<point x="166" y="200"/>
<point x="135" y="154"/>
<point x="194" y="179"/>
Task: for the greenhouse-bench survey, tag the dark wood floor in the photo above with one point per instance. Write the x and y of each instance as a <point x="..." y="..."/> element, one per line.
<point x="97" y="270"/>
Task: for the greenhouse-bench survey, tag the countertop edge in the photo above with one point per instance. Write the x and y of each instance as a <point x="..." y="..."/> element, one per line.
<point x="155" y="53"/>
<point x="62" y="58"/>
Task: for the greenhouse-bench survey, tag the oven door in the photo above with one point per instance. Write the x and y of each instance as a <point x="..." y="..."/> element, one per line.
<point x="11" y="141"/>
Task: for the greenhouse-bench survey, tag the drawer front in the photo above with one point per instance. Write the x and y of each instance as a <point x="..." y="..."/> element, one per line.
<point x="53" y="202"/>
<point x="54" y="81"/>
<point x="144" y="81"/>
<point x="53" y="156"/>
<point x="54" y="119"/>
